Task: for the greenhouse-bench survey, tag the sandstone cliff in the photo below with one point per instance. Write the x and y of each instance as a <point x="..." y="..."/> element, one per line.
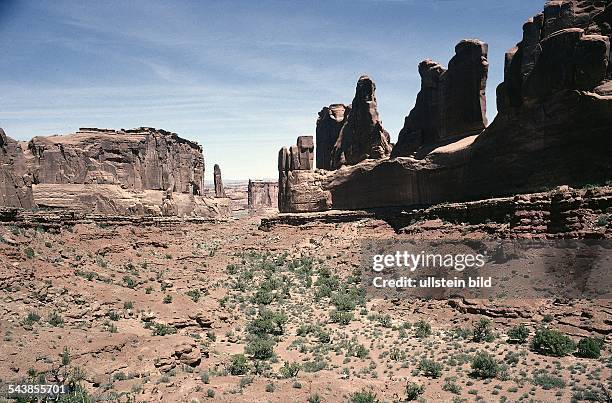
<point x="141" y="171"/>
<point x="553" y="128"/>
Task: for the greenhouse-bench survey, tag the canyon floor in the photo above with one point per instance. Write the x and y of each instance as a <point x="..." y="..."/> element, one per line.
<point x="228" y="312"/>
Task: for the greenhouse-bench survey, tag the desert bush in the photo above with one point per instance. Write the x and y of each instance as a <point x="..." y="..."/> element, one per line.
<point x="364" y="396"/>
<point x="422" y="329"/>
<point x="450" y="385"/>
<point x="589" y="347"/>
<point x="268" y="322"/>
<point x="55" y="320"/>
<point x="483" y="331"/>
<point x="260" y="348"/>
<point x="413" y="391"/>
<point x="238" y="365"/>
<point x="29" y="252"/>
<point x="484" y="365"/>
<point x="548" y="381"/>
<point x="160" y="329"/>
<point x="194" y="295"/>
<point x="290" y="370"/>
<point x="341" y="318"/>
<point x="518" y="334"/>
<point x="430" y="368"/>
<point x="167" y="299"/>
<point x="552" y="342"/>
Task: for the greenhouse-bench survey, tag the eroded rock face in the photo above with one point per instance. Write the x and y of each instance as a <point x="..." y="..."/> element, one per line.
<point x="329" y="124"/>
<point x="362" y="135"/>
<point x="567" y="47"/>
<point x="138" y="159"/>
<point x="219" y="190"/>
<point x="553" y="127"/>
<point x="15" y="180"/>
<point x="451" y="104"/>
<point x="140" y="171"/>
<point x="262" y="194"/>
<point x="295" y="166"/>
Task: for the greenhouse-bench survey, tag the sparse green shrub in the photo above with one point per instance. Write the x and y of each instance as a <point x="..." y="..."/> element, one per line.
<point x="484" y="365"/>
<point x="160" y="329"/>
<point x="341" y="318"/>
<point x="268" y="322"/>
<point x="167" y="299"/>
<point x="238" y="365"/>
<point x="205" y="378"/>
<point x="55" y="320"/>
<point x="129" y="282"/>
<point x="413" y="391"/>
<point x="482" y="331"/>
<point x="316" y="365"/>
<point x="518" y="334"/>
<point x="194" y="295"/>
<point x="430" y="368"/>
<point x="450" y="385"/>
<point x="589" y="347"/>
<point x="314" y="398"/>
<point x="260" y="348"/>
<point x="29" y="252"/>
<point x="422" y="329"/>
<point x="270" y="387"/>
<point x="552" y="342"/>
<point x="290" y="370"/>
<point x="112" y="315"/>
<point x="210" y="393"/>
<point x="547" y="381"/>
<point x="364" y="396"/>
<point x="31" y="318"/>
<point x="128" y="305"/>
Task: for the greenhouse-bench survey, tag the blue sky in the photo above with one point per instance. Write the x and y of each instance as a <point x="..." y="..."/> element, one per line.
<point x="242" y="78"/>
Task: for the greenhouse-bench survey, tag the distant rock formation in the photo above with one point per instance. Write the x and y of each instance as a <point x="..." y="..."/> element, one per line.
<point x="362" y="135"/>
<point x="262" y="194"/>
<point x="553" y="128"/>
<point x="136" y="171"/>
<point x="219" y="190"/>
<point x="451" y="104"/>
<point x="294" y="172"/>
<point x="15" y="179"/>
<point x="329" y="124"/>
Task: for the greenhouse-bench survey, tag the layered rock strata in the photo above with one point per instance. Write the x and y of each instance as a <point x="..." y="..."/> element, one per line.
<point x="451" y="104"/>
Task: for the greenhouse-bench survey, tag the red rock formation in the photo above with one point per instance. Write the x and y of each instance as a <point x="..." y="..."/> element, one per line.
<point x="362" y="136"/>
<point x="329" y="124"/>
<point x="553" y="128"/>
<point x="141" y="171"/>
<point x="451" y="104"/>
